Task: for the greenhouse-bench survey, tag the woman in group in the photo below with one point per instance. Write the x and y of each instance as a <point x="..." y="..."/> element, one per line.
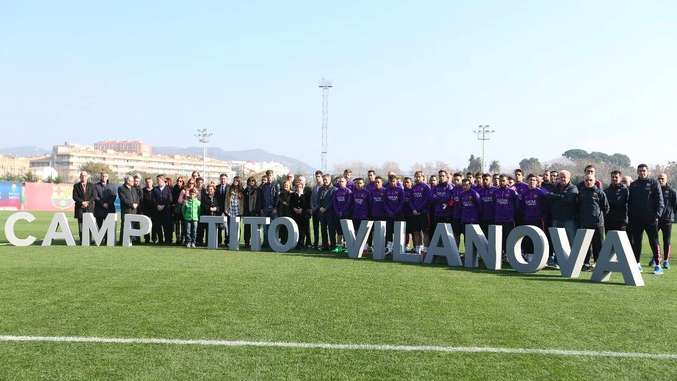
<point x="234" y="199"/>
<point x="251" y="207"/>
<point x="299" y="204"/>
<point x="283" y="206"/>
<point x="178" y="215"/>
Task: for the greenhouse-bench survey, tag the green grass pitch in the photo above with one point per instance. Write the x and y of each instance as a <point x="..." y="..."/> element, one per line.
<point x="174" y="292"/>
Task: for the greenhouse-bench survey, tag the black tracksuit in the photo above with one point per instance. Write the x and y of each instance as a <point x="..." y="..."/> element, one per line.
<point x="668" y="216"/>
<point x="592" y="206"/>
<point x="617" y="217"/>
<point x="645" y="207"/>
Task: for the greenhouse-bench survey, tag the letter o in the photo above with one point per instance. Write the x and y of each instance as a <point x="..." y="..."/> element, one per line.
<point x="292" y="236"/>
<point x="514" y="249"/>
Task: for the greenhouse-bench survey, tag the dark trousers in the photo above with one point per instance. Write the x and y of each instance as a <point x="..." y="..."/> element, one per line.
<point x="306" y="224"/>
<point x="327" y="229"/>
<point x="200" y="234"/>
<point x="620" y="226"/>
<point x="316" y="228"/>
<point x="484" y="225"/>
<point x="666" y="228"/>
<point x="651" y="229"/>
<point x="507" y="228"/>
<point x="528" y="244"/>
<point x="596" y="244"/>
<point x="302" y="222"/>
<point x="162" y="229"/>
<point x="179" y="229"/>
<point x="458" y="226"/>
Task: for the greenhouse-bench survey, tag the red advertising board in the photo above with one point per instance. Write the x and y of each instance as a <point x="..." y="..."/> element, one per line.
<point x="48" y="197"/>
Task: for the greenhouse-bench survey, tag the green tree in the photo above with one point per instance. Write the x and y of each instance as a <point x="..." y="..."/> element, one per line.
<point x="94" y="169"/>
<point x="531" y="165"/>
<point x="474" y="164"/>
<point x="576" y="154"/>
<point x="30" y="177"/>
<point x="494" y="167"/>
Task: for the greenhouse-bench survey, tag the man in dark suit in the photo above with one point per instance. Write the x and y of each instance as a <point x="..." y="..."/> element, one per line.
<point x="221" y="192"/>
<point x="83" y="195"/>
<point x="104" y="199"/>
<point x="162" y="223"/>
<point x="129" y="201"/>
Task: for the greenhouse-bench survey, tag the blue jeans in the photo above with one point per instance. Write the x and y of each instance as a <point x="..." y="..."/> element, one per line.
<point x="191" y="228"/>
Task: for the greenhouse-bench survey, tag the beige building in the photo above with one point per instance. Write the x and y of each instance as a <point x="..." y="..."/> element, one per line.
<point x="13" y="166"/>
<point x="129" y="146"/>
<point x="66" y="161"/>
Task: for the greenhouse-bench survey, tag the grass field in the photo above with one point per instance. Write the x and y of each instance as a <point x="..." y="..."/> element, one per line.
<point x="178" y="293"/>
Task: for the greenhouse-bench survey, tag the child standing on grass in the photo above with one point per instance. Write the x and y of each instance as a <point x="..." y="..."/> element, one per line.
<point x="191" y="216"/>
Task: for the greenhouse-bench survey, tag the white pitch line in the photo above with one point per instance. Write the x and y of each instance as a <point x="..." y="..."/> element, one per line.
<point x="363" y="347"/>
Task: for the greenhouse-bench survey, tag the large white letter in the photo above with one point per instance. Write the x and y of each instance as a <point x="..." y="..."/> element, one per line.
<point x="90" y="229"/>
<point x="616" y="256"/>
<point x="212" y="229"/>
<point x="257" y="224"/>
<point x="399" y="245"/>
<point x="59" y="221"/>
<point x="477" y="246"/>
<point x="570" y="262"/>
<point x="9" y="229"/>
<point x="378" y="241"/>
<point x="234" y="233"/>
<point x="514" y="249"/>
<point x="356" y="245"/>
<point x="449" y="248"/>
<point x="145" y="225"/>
<point x="292" y="234"/>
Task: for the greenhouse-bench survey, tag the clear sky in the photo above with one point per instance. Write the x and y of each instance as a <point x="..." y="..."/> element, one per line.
<point x="412" y="78"/>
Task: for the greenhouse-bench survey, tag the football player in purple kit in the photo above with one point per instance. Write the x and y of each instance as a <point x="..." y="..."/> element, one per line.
<point x="361" y="199"/>
<point x="470" y="205"/>
<point x="348" y="174"/>
<point x="439" y="199"/>
<point x="371" y="178"/>
<point x="377" y="199"/>
<point x="419" y="205"/>
<point x="506" y="206"/>
<point x="342" y="204"/>
<point x="456" y="223"/>
<point x="533" y="207"/>
<point x="406" y="210"/>
<point x="394" y="201"/>
<point x="433" y="181"/>
<point x="520" y="186"/>
<point x="486" y="192"/>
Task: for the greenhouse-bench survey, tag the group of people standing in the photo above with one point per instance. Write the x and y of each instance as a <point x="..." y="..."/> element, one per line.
<point x="546" y="200"/>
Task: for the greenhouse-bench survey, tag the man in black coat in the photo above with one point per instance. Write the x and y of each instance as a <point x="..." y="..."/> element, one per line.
<point x="645" y="207"/>
<point x="163" y="224"/>
<point x="221" y="192"/>
<point x="592" y="206"/>
<point x="617" y="196"/>
<point x="147" y="208"/>
<point x="129" y="201"/>
<point x="104" y="199"/>
<point x="83" y="195"/>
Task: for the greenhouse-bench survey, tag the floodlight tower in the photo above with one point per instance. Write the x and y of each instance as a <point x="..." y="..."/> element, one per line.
<point x="203" y="137"/>
<point x="325" y="85"/>
<point x="483" y="132"/>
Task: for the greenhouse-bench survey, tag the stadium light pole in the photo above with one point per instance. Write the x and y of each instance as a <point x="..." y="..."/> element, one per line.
<point x="325" y="85"/>
<point x="203" y="136"/>
<point x="483" y="131"/>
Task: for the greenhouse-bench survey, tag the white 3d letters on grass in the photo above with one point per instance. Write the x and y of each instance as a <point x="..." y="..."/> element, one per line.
<point x="356" y="243"/>
<point x="91" y="232"/>
<point x="128" y="231"/>
<point x="274" y="234"/>
<point x="449" y="249"/>
<point x="616" y="254"/>
<point x="570" y="260"/>
<point x="513" y="246"/>
<point x="59" y="229"/>
<point x="9" y="229"/>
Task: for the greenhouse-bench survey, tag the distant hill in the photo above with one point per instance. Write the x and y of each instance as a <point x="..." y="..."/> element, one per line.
<point x="294" y="165"/>
<point x="24" y="151"/>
